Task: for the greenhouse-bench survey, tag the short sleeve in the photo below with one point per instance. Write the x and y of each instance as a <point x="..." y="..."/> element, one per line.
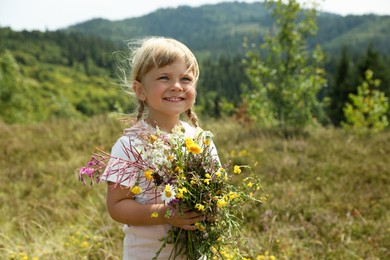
<point x="115" y="170"/>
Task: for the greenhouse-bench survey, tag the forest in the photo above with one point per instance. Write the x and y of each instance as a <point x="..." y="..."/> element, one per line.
<point x="74" y="72"/>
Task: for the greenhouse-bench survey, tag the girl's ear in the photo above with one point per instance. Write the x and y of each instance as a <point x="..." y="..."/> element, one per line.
<point x="138" y="90"/>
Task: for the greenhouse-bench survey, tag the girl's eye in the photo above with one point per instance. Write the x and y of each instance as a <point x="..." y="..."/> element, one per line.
<point x="186" y="79"/>
<point x="163" y="78"/>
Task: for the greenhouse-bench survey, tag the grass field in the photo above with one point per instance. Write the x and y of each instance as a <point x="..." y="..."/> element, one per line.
<point x="328" y="192"/>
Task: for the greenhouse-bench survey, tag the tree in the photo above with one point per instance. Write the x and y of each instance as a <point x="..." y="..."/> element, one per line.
<point x="368" y="108"/>
<point x="373" y="60"/>
<point x="285" y="84"/>
<point x="16" y="102"/>
<point x="341" y="87"/>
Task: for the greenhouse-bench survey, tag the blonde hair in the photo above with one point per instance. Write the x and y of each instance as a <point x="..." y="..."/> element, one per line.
<point x="157" y="52"/>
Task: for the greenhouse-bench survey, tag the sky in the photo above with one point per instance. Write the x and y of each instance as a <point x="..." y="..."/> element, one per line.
<point x="52" y="15"/>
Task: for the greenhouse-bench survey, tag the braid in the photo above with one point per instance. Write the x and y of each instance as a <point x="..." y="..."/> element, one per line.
<point x="141" y="109"/>
<point x="192" y="117"/>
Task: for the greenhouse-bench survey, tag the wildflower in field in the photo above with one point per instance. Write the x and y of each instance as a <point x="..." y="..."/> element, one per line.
<point x="236" y="169"/>
<point x="84" y="244"/>
<point x="266" y="256"/>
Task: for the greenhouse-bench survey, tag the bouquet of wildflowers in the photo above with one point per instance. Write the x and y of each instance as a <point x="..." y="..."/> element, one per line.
<point x="187" y="174"/>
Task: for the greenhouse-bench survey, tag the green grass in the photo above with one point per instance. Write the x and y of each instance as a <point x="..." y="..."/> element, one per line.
<point x="328" y="192"/>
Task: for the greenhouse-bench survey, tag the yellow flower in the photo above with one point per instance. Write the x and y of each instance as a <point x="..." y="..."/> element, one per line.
<point x="221" y="203"/>
<point x="195" y="149"/>
<point x="207" y="181"/>
<point x="250" y="184"/>
<point x="189" y="142"/>
<point x="168" y="191"/>
<point x="233" y="195"/>
<point x="154" y="215"/>
<point x="178" y="169"/>
<point x="206" y="142"/>
<point x="199" y="207"/>
<point x="181" y="192"/>
<point x="136" y="190"/>
<point x="199" y="226"/>
<point x="237" y="169"/>
<point x="192" y="146"/>
<point x="153" y="138"/>
<point x="218" y="174"/>
<point x="85" y="244"/>
<point x="193" y="182"/>
<point x="148" y="174"/>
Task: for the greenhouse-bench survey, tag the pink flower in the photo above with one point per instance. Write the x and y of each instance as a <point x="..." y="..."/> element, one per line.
<point x="87" y="171"/>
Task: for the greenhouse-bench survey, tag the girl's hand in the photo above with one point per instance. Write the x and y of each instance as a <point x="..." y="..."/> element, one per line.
<point x="185" y="220"/>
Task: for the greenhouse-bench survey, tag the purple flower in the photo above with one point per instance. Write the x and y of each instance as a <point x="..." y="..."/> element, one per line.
<point x="87" y="171"/>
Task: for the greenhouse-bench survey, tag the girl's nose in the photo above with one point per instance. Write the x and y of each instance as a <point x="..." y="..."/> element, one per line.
<point x="176" y="86"/>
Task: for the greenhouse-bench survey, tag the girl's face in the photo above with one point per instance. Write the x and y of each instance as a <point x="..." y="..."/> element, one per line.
<point x="168" y="91"/>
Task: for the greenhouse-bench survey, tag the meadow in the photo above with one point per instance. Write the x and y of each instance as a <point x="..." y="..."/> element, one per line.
<point x="328" y="191"/>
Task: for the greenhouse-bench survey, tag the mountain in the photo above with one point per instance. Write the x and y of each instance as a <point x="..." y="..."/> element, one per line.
<point x="221" y="28"/>
<point x="73" y="72"/>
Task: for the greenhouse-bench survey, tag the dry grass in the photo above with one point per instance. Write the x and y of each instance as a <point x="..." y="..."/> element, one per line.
<point x="328" y="192"/>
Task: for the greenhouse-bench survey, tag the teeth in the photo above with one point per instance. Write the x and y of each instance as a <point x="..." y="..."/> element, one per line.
<point x="174" y="98"/>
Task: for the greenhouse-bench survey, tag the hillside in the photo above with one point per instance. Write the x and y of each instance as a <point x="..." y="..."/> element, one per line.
<point x="71" y="73"/>
<point x="221" y="28"/>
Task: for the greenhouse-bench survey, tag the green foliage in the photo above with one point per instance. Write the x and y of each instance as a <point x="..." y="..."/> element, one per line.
<point x="70" y="73"/>
<point x="56" y="75"/>
<point x="219" y="92"/>
<point x="328" y="192"/>
<point x="366" y="113"/>
<point x="285" y="84"/>
<point x="17" y="100"/>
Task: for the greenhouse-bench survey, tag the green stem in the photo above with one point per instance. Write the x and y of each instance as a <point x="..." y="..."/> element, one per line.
<point x="175" y="244"/>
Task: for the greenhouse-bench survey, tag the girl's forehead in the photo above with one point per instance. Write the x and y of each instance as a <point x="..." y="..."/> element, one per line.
<point x="177" y="66"/>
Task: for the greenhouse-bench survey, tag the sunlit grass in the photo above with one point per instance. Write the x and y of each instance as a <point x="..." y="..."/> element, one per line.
<point x="328" y="192"/>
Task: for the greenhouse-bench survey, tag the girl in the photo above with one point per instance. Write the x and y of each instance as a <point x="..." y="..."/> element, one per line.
<point x="163" y="77"/>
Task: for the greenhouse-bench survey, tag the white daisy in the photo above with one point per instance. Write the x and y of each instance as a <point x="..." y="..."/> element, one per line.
<point x="168" y="194"/>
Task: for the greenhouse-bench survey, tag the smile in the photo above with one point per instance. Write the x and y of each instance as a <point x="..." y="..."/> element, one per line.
<point x="174" y="99"/>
